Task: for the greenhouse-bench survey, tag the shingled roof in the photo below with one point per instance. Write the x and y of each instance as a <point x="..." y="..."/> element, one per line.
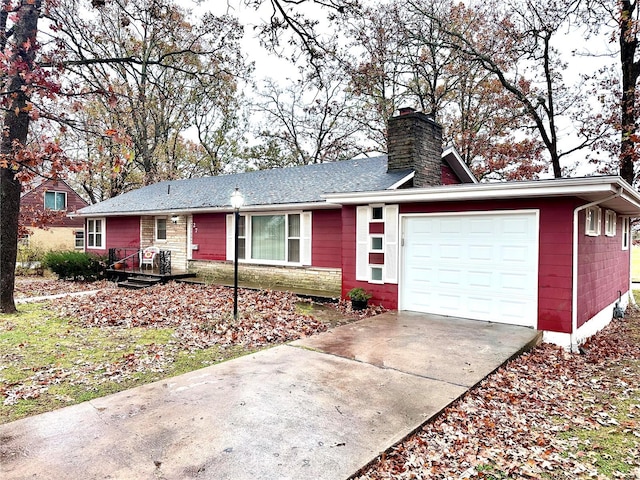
<point x="281" y="186"/>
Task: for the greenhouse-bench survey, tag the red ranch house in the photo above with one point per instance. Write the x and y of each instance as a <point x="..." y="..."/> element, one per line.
<point x="413" y="228"/>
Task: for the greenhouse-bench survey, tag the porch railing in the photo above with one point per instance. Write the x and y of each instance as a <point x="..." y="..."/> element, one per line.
<point x="127" y="260"/>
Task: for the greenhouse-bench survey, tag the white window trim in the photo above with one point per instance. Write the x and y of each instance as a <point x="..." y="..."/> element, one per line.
<point x="75" y="239"/>
<point x="610" y="218"/>
<point x="155" y="229"/>
<point x="56" y="192"/>
<point x="376" y="220"/>
<point x="371" y="280"/>
<point x="597" y="211"/>
<point x="87" y="233"/>
<point x="381" y="237"/>
<point x="626" y="233"/>
<point x="304" y="238"/>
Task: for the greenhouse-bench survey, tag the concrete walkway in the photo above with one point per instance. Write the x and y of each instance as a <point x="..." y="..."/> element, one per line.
<point x="318" y="408"/>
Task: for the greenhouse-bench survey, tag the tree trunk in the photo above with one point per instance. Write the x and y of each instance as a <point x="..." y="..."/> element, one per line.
<point x="630" y="72"/>
<point x="15" y="129"/>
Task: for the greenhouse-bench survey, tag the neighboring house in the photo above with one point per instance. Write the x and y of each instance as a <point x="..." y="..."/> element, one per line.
<point x="44" y="210"/>
<point x="415" y="229"/>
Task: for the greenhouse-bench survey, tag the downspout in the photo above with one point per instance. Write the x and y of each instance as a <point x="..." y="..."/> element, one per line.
<point x="574" y="286"/>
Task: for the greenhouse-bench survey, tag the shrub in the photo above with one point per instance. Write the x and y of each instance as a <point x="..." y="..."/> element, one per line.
<point x="72" y="265"/>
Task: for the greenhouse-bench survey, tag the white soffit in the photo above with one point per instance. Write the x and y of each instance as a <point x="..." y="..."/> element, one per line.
<point x="589" y="189"/>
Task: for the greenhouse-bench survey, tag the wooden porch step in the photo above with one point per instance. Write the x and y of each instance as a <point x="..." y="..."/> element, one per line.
<point x="138" y="282"/>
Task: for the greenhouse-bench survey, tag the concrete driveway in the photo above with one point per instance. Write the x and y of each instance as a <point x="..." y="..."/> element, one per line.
<point x="317" y="408"/>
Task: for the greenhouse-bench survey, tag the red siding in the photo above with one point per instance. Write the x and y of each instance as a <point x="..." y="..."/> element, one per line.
<point x="209" y="233"/>
<point x="325" y="245"/>
<point x="121" y="232"/>
<point x="448" y="176"/>
<point x="385" y="294"/>
<point x="603" y="269"/>
<point x="376" y="227"/>
<point x="376" y="259"/>
<point x="555" y="272"/>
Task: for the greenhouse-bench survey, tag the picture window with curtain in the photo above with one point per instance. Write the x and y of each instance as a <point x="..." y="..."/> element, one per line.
<point x="273" y="238"/>
<point x="55" y="201"/>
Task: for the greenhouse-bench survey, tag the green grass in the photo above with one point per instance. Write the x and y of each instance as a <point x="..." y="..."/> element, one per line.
<point x="635" y="263"/>
<point x="610" y="448"/>
<point x="74" y="363"/>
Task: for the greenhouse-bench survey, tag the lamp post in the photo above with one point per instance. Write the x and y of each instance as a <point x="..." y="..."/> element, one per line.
<point x="237" y="200"/>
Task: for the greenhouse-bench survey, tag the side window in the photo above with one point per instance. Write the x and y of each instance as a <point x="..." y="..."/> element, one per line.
<point x="610" y="223"/>
<point x="626" y="233"/>
<point x="593" y="221"/>
<point x="161" y="228"/>
<point x="55" y="201"/>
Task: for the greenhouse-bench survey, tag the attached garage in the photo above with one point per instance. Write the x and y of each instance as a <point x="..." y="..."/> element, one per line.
<point x="477" y="265"/>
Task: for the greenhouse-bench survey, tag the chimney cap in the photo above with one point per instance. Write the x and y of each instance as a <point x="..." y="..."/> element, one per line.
<point x="406" y="110"/>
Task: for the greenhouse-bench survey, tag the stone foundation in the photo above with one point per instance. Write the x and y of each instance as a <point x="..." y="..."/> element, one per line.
<point x="322" y="282"/>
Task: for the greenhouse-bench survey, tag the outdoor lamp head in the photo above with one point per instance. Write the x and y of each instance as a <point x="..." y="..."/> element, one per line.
<point x="237" y="200"/>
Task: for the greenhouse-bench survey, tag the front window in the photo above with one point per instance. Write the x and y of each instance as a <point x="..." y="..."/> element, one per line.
<point x="95" y="233"/>
<point x="55" y="201"/>
<point x="161" y="228"/>
<point x="272" y="238"/>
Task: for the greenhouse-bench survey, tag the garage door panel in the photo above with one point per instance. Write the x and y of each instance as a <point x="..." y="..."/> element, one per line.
<point x="481" y="266"/>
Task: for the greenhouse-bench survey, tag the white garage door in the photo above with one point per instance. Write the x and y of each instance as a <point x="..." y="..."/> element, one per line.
<point x="482" y="266"/>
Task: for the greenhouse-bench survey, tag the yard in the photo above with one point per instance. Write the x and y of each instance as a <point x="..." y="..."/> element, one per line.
<point x="74" y="349"/>
<point x="545" y="415"/>
<point x="548" y="414"/>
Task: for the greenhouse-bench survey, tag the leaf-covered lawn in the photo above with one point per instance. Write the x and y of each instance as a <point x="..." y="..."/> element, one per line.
<point x="34" y="286"/>
<point x="73" y="349"/>
<point x="548" y="414"/>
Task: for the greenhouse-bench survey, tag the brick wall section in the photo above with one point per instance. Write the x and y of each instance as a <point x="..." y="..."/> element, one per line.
<point x="603" y="269"/>
<point x="415" y="142"/>
<point x="176" y="241"/>
<point x="313" y="281"/>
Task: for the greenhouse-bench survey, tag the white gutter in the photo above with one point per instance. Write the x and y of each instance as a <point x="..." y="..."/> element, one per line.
<point x="574" y="286"/>
<point x="223" y="209"/>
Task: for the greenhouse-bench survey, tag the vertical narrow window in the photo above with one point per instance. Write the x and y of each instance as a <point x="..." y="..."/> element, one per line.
<point x="593" y="220"/>
<point x="610" y="223"/>
<point x="293" y="238"/>
<point x="626" y="233"/>
<point x="242" y="237"/>
<point x="161" y="228"/>
<point x="95" y="233"/>
<point x="55" y="201"/>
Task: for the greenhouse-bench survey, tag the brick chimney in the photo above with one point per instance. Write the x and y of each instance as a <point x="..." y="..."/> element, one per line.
<point x="414" y="141"/>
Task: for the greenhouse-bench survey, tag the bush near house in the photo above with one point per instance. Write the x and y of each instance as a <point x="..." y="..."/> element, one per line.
<point x="73" y="265"/>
